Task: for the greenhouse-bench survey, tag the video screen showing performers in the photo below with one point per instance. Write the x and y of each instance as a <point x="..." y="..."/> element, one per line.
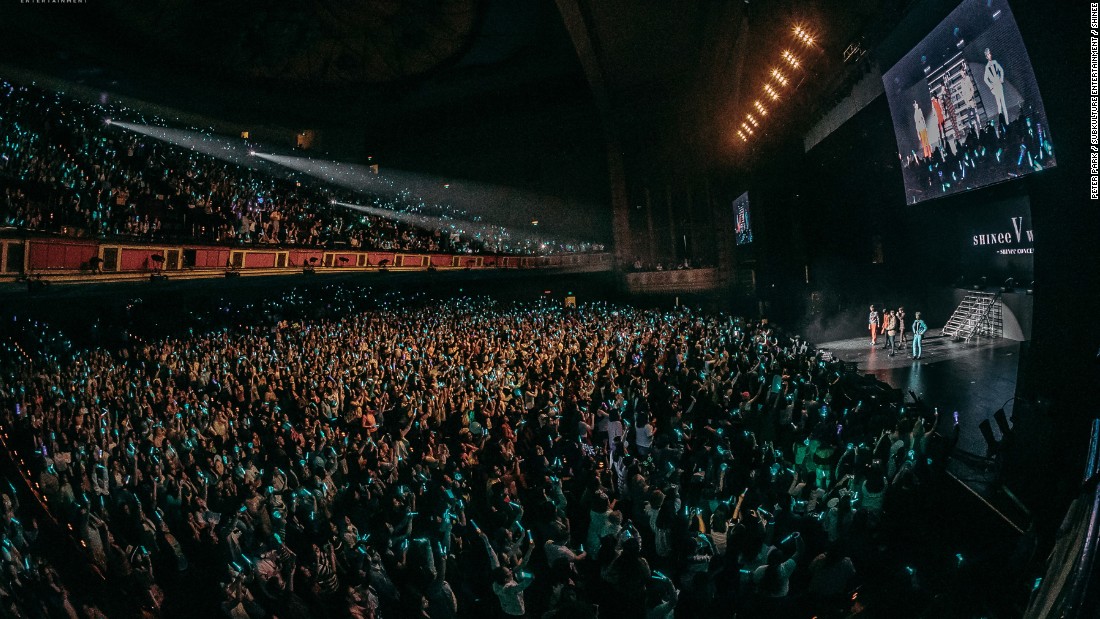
<point x="743" y="219"/>
<point x="965" y="105"/>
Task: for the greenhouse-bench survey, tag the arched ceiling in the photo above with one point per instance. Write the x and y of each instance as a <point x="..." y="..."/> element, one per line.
<point x="319" y="42"/>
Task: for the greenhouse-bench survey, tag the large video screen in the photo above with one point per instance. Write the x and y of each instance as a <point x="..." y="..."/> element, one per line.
<point x="965" y="105"/>
<point x="742" y="219"/>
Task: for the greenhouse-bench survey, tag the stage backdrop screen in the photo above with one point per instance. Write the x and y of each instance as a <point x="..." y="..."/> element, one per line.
<point x="742" y="218"/>
<point x="965" y="105"/>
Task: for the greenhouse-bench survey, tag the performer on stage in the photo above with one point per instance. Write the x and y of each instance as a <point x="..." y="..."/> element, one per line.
<point x="941" y="121"/>
<point x="890" y="328"/>
<point x="995" y="80"/>
<point x="903" y="340"/>
<point x="919" y="327"/>
<point x="873" y="322"/>
<point x="922" y="130"/>
<point x="968" y="90"/>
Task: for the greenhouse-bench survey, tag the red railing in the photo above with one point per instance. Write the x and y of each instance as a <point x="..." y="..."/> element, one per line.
<point x="55" y="256"/>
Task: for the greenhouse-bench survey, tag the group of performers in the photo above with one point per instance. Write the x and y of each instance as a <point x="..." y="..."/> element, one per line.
<point x="891" y="323"/>
<point x="994" y="78"/>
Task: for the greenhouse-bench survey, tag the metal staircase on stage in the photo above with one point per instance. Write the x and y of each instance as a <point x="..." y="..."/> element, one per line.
<point x="979" y="314"/>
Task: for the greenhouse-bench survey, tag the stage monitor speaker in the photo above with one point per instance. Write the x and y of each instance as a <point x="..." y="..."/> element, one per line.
<point x="991" y="444"/>
<point x="1002" y="423"/>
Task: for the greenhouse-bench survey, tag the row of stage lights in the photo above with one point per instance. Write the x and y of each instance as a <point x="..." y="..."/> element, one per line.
<point x="775" y="84"/>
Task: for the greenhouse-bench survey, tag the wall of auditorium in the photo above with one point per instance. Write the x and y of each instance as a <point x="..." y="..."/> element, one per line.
<point x="668" y="282"/>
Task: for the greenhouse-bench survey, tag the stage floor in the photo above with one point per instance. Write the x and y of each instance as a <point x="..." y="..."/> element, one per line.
<point x="975" y="379"/>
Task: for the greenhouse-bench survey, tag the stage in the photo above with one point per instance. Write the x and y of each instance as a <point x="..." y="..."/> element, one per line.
<point x="974" y="379"/>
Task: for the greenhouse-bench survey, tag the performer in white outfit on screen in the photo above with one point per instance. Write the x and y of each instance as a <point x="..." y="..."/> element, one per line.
<point x="995" y="79"/>
<point x="922" y="130"/>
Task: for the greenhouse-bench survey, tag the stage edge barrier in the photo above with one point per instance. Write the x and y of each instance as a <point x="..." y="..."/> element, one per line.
<point x="1069" y="588"/>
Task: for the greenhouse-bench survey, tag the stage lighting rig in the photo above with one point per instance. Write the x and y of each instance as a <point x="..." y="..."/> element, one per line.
<point x="854" y="52"/>
<point x="803" y="36"/>
<point x="777" y="79"/>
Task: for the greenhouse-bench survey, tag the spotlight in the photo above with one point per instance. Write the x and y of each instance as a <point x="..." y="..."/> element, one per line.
<point x="251" y="153"/>
<point x="107" y="121"/>
<point x="752" y="120"/>
<point x="771" y="92"/>
<point x="760" y="108"/>
<point x="791" y="59"/>
<point x="747" y="128"/>
<point x="803" y="35"/>
<point x="779" y="77"/>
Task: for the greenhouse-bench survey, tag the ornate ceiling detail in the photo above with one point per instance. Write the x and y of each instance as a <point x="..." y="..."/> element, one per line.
<point x="320" y="42"/>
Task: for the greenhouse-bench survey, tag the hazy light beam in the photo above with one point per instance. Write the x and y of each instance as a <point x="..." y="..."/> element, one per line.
<point x="233" y="150"/>
<point x="466" y="200"/>
<point x="478" y="230"/>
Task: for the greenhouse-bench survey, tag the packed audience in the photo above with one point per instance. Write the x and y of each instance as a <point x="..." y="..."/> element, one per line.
<point x="64" y="169"/>
<point x="424" y="458"/>
<point x="30" y="584"/>
<point x="986" y="154"/>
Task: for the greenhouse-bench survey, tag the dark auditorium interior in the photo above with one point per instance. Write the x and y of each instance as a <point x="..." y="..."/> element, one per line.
<point x="555" y="309"/>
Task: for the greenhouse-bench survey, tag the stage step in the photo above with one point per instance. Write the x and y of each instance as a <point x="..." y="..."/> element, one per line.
<point x="978" y="314"/>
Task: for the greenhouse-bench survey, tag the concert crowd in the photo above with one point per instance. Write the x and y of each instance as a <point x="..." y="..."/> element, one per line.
<point x="402" y="456"/>
<point x="65" y="169"/>
<point x="992" y="153"/>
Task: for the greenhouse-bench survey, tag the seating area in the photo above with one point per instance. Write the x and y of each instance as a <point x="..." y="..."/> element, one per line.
<point x="64" y="169"/>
